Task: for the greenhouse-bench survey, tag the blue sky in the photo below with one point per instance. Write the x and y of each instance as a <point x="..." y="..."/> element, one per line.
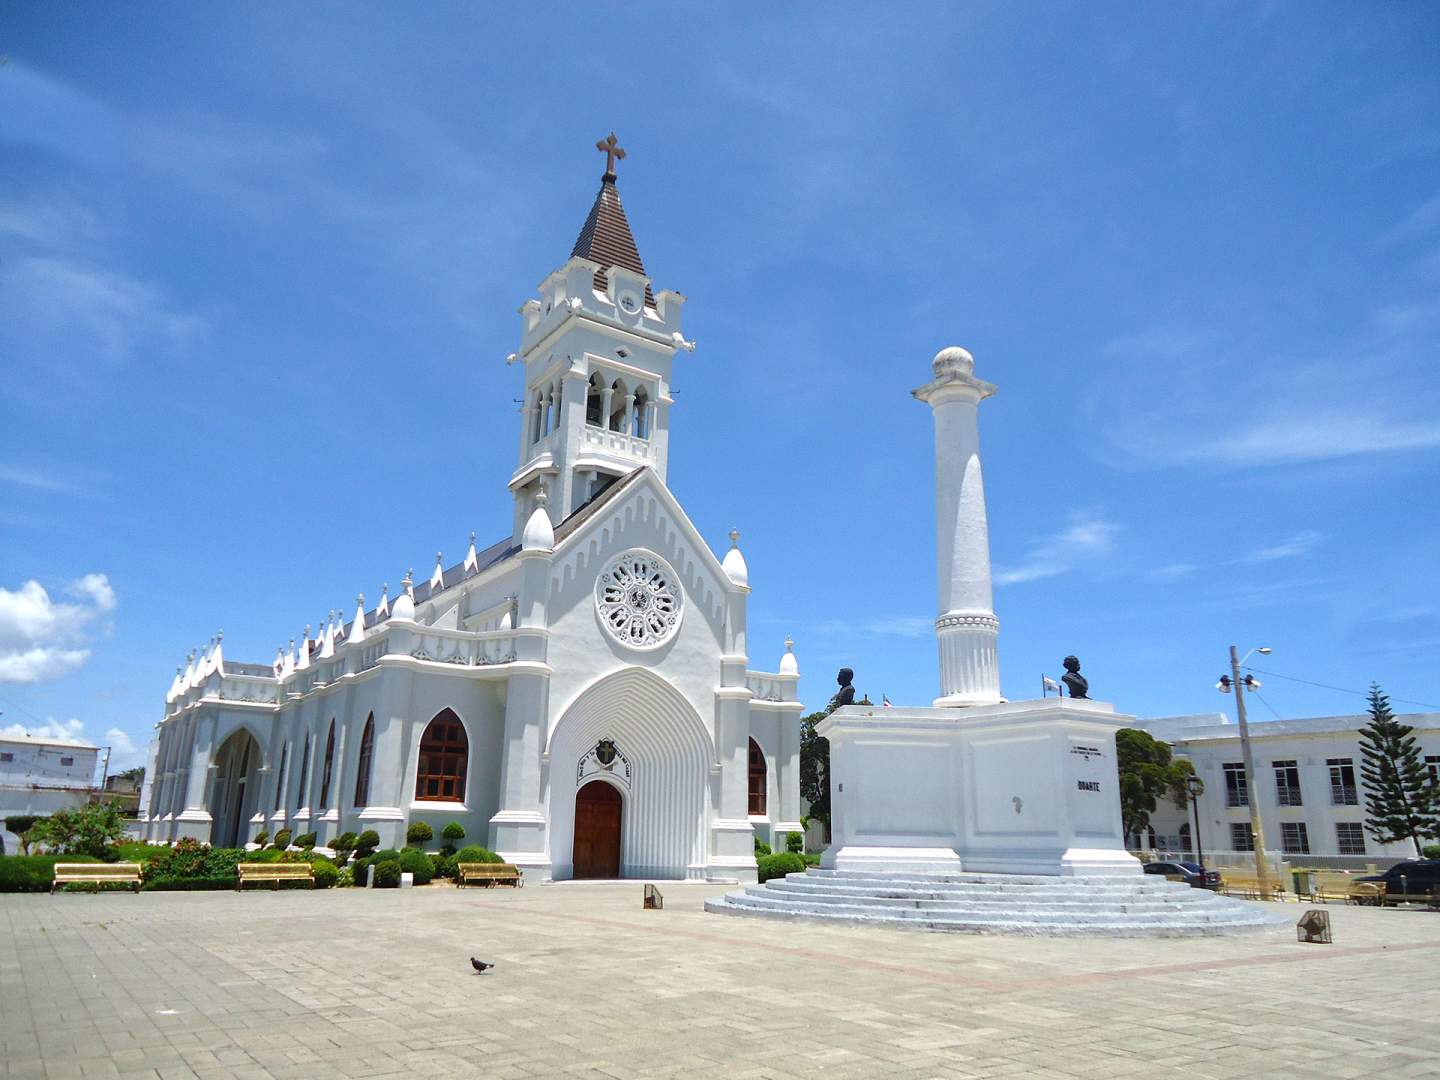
<point x="259" y="269"/>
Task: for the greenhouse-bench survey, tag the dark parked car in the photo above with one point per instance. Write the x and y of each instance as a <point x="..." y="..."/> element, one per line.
<point x="1189" y="871"/>
<point x="1416" y="877"/>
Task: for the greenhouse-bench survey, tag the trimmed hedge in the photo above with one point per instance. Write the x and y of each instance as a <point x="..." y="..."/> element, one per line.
<point x="262" y="837"/>
<point x="1431" y="851"/>
<point x="476" y="853"/>
<point x="343" y="845"/>
<point x="775" y="866"/>
<point x="327" y="874"/>
<point x="453" y="831"/>
<point x="366" y="843"/>
<point x="282" y="839"/>
<point x="306" y="841"/>
<point x="33" y="873"/>
<point x="188" y="860"/>
<point x="387" y="874"/>
<point x="415" y="862"/>
<point x="762" y="848"/>
<point x="419" y="833"/>
<point x="190" y="884"/>
<point x="795" y="842"/>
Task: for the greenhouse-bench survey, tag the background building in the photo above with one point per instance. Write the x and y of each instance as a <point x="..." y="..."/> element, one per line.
<point x="42" y="775"/>
<point x="1311" y="799"/>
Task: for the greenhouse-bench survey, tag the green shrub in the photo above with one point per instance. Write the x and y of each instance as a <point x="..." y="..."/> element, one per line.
<point x="419" y="833"/>
<point x="326" y="872"/>
<point x="415" y="862"/>
<point x="366" y="843"/>
<point x="362" y="862"/>
<point x="93" y="829"/>
<point x="282" y="839"/>
<point x="476" y="853"/>
<point x="810" y="860"/>
<point x="387" y="874"/>
<point x="343" y="845"/>
<point x="268" y="855"/>
<point x="33" y="873"/>
<point x="262" y="837"/>
<point x="775" y="866"/>
<point x="189" y="859"/>
<point x="1431" y="851"/>
<point x="346" y="880"/>
<point x="795" y="842"/>
<point x="190" y="884"/>
<point x="305" y="841"/>
<point x="453" y="831"/>
<point x="761" y="848"/>
<point x="445" y="864"/>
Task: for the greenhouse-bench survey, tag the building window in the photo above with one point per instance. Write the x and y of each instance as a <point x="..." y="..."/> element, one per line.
<point x="757" y="779"/>
<point x="67" y="761"/>
<point x="329" y="767"/>
<point x="444" y="752"/>
<point x="280" y="778"/>
<point x="1342" y="782"/>
<point x="1350" y="835"/>
<point x="1432" y="764"/>
<point x="1185" y="846"/>
<point x="362" y="769"/>
<point x="642" y="416"/>
<point x="1287" y="783"/>
<point x="301" y="795"/>
<point x="6" y="755"/>
<point x="594" y="407"/>
<point x="1242" y="838"/>
<point x="1237" y="791"/>
<point x="1294" y="839"/>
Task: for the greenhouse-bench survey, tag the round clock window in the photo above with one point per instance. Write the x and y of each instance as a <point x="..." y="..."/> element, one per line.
<point x="638" y="599"/>
<point x="630" y="302"/>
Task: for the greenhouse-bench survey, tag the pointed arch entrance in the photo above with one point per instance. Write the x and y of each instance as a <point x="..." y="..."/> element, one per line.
<point x="599" y="811"/>
<point x="236" y="794"/>
<point x="663" y="784"/>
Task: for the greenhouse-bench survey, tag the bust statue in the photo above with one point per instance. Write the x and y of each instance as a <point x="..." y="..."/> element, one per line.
<point x="1077" y="684"/>
<point x="846" y="694"/>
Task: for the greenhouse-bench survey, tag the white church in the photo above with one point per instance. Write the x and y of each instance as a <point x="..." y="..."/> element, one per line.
<point x="577" y="695"/>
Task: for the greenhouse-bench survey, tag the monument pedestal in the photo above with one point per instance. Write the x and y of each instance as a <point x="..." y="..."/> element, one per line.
<point x="1024" y="787"/>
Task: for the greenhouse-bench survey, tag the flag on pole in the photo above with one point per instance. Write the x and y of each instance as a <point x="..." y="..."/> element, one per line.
<point x="885" y="702"/>
<point x="1047" y="684"/>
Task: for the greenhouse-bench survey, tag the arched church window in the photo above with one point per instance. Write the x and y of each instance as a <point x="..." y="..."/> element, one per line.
<point x="757" y="778"/>
<point x="594" y="399"/>
<point x="1185" y="845"/>
<point x="280" y="778"/>
<point x="537" y="429"/>
<point x="362" y="770"/>
<point x="300" y="794"/>
<point x="444" y="752"/>
<point x="618" y="399"/>
<point x="329" y="767"/>
<point x="642" y="414"/>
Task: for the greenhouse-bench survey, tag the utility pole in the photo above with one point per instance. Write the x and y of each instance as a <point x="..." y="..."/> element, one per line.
<point x="1252" y="789"/>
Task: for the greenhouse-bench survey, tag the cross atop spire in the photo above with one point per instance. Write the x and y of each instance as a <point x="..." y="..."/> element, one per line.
<point x="610" y="147"/>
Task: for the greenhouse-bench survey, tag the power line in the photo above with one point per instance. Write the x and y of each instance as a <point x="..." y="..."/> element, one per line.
<point x="1338" y="689"/>
<point x="1269" y="706"/>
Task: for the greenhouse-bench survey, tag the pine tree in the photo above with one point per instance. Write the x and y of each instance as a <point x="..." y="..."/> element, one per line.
<point x="1401" y="801"/>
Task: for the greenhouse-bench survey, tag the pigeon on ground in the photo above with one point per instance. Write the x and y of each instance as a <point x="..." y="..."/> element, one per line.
<point x="479" y="965"/>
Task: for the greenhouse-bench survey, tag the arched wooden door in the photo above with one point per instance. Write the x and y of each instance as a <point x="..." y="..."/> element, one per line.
<point x="598" y="809"/>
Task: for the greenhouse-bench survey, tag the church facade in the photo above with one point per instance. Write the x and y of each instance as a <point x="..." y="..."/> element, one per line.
<point x="577" y="695"/>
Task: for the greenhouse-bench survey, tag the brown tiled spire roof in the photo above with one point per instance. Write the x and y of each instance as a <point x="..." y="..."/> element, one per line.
<point x="606" y="239"/>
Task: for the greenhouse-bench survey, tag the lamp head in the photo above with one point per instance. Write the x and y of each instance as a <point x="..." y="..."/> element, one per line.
<point x="1194" y="785"/>
<point x="1264" y="650"/>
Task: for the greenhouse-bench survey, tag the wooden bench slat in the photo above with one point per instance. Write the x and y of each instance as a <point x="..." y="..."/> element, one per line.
<point x="489" y="873"/>
<point x="96" y="873"/>
<point x="276" y="872"/>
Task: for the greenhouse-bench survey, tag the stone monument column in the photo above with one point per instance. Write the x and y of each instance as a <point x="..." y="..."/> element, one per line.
<point x="966" y="627"/>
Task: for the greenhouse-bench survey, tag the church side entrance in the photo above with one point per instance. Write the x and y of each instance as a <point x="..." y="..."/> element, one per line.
<point x="598" y="810"/>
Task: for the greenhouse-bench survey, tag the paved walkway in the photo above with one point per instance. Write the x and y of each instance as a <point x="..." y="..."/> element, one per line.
<point x="366" y="983"/>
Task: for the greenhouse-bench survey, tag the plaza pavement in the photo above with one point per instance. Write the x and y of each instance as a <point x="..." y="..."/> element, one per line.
<point x="367" y="983"/>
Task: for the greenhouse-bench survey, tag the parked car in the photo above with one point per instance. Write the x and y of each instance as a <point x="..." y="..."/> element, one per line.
<point x="1189" y="871"/>
<point x="1415" y="877"/>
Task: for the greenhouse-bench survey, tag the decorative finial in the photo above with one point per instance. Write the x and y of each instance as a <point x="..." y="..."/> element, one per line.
<point x="307" y="634"/>
<point x="219" y="636"/>
<point x="360" y="599"/>
<point x="472" y="537"/>
<point x="408" y="581"/>
<point x="789" y="644"/>
<point x="610" y="147"/>
<point x="734" y="538"/>
<point x="439" y="557"/>
<point x="540" y="497"/>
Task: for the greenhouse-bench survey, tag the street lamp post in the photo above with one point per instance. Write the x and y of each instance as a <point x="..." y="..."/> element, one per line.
<point x="1194" y="785"/>
<point x="1252" y="789"/>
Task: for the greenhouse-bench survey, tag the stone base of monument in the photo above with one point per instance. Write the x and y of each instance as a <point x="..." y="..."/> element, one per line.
<point x="997" y="818"/>
<point x="1024" y="787"/>
<point x="1110" y="906"/>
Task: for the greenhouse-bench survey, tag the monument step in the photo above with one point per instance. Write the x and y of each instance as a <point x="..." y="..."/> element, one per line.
<point x="999" y="903"/>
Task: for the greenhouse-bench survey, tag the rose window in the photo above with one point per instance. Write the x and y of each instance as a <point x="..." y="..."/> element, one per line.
<point x="638" y="599"/>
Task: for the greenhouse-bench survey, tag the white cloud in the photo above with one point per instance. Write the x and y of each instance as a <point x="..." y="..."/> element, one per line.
<point x="42" y="639"/>
<point x="1312" y="436"/>
<point x="51" y="729"/>
<point x="1086" y="538"/>
<point x="124" y="754"/>
<point x="1301" y="543"/>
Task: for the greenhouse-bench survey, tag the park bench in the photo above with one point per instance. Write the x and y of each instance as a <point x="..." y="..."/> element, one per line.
<point x="80" y="873"/>
<point x="1431" y="898"/>
<point x="1249" y="887"/>
<point x="273" y="872"/>
<point x="489" y="874"/>
<point x="1334" y="885"/>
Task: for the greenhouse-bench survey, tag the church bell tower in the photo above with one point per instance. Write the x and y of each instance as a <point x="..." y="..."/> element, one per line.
<point x="597" y="348"/>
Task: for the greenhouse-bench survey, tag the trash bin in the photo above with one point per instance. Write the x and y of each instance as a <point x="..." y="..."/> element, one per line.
<point x="1301" y="879"/>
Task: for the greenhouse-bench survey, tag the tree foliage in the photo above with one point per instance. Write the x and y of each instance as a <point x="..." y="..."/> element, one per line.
<point x="815" y="767"/>
<point x="20" y="825"/>
<point x="1401" y="801"/>
<point x="93" y="830"/>
<point x="1148" y="771"/>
